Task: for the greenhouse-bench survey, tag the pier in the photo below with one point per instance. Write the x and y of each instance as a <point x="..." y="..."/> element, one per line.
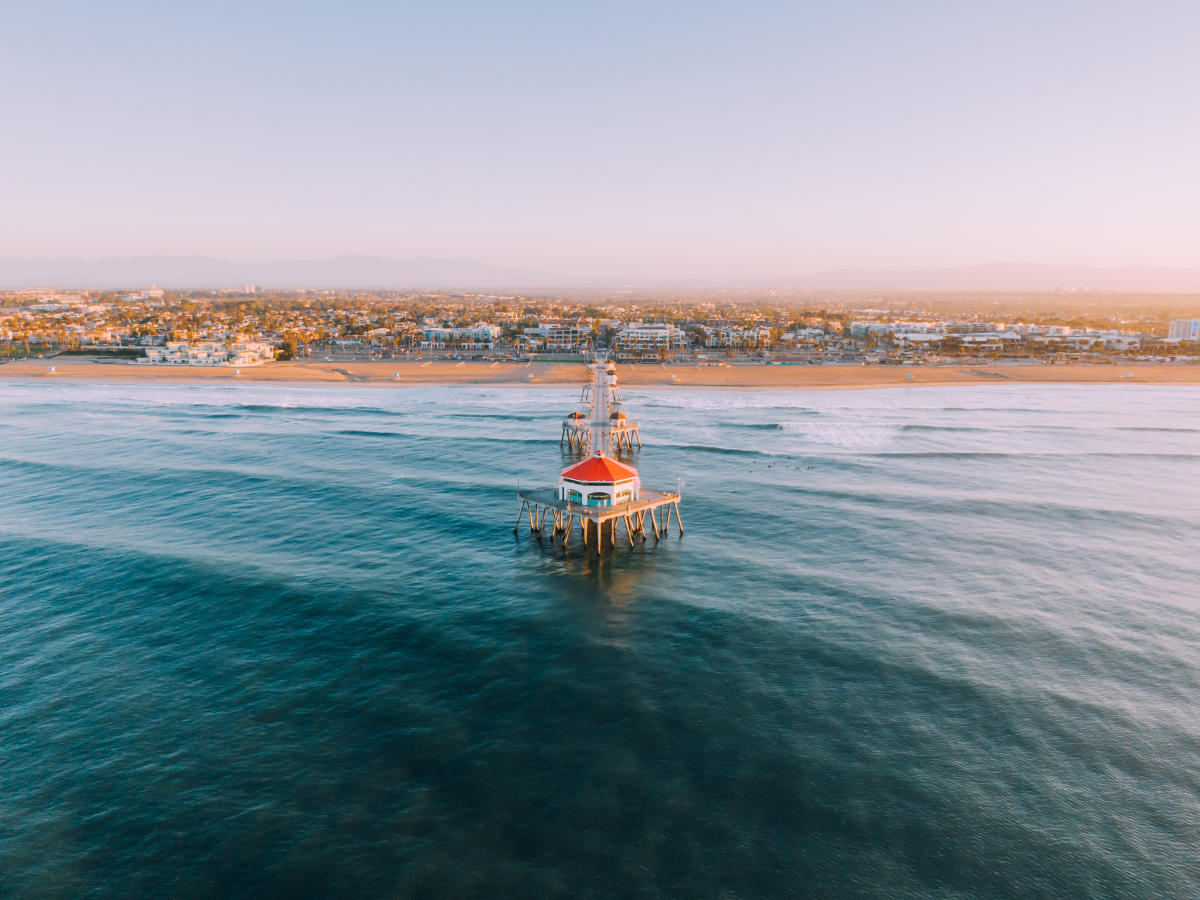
<point x="601" y="493"/>
<point x="603" y="427"/>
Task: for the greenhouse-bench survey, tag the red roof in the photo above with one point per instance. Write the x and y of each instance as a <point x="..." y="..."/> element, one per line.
<point x="599" y="468"/>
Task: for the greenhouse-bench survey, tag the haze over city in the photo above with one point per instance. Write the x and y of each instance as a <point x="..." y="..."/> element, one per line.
<point x="693" y="143"/>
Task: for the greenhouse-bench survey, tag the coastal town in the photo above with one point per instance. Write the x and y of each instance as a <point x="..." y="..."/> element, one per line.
<point x="251" y="326"/>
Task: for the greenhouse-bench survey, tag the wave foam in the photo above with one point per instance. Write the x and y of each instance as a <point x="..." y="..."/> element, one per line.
<point x="847" y="435"/>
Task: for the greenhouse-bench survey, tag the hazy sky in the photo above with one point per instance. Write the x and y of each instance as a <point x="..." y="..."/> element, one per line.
<point x="703" y="139"/>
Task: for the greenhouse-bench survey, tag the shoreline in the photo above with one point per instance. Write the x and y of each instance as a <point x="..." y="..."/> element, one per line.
<point x="411" y="373"/>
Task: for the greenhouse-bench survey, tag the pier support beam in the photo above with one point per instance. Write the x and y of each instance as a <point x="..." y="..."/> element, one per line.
<point x="598" y="525"/>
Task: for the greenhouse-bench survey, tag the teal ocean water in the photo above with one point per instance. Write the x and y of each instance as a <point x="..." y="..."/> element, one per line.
<point x="282" y="641"/>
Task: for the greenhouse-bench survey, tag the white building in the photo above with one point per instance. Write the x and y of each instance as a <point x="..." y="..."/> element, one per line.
<point x="989" y="340"/>
<point x="640" y="340"/>
<point x="558" y="336"/>
<point x="210" y="353"/>
<point x="736" y="336"/>
<point x="1041" y="330"/>
<point x="920" y="337"/>
<point x="1091" y="340"/>
<point x="804" y="335"/>
<point x="1184" y="330"/>
<point x="475" y="337"/>
<point x="863" y="328"/>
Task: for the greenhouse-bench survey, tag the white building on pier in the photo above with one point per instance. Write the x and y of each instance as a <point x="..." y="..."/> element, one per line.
<point x="599" y="481"/>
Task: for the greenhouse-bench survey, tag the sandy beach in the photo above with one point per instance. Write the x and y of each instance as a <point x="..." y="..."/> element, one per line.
<point x="415" y="372"/>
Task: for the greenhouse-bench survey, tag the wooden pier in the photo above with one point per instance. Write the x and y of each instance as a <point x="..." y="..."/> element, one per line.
<point x="602" y="427"/>
<point x="622" y="434"/>
<point x="598" y="525"/>
<point x="594" y="492"/>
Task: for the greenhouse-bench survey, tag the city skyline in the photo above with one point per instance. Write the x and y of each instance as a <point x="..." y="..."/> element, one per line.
<point x="695" y="143"/>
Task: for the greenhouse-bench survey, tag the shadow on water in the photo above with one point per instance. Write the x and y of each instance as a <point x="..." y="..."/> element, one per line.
<point x="612" y="573"/>
<point x="599" y="583"/>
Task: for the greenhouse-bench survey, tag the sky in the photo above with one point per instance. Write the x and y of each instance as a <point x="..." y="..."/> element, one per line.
<point x="652" y="140"/>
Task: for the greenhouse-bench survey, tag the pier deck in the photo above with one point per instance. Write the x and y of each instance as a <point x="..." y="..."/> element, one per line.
<point x="598" y="430"/>
<point x="596" y="523"/>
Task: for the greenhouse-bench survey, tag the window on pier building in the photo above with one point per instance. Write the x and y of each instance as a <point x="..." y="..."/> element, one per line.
<point x="600" y="498"/>
<point x="572" y="496"/>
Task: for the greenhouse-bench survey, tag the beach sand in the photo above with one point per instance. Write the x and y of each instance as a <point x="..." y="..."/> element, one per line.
<point x="413" y="372"/>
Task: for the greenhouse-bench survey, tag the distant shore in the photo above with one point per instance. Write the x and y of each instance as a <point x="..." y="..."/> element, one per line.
<point x="416" y="372"/>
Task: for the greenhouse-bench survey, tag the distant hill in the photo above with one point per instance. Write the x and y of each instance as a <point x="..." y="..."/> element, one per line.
<point x="200" y="272"/>
<point x="366" y="272"/>
<point x="1014" y="277"/>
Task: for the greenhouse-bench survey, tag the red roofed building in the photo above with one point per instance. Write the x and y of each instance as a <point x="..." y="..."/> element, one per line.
<point x="599" y="481"/>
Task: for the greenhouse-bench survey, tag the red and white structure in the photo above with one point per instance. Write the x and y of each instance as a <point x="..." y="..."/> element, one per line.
<point x="599" y="481"/>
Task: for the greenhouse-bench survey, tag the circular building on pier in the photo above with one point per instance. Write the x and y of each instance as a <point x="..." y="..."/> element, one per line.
<point x="599" y="481"/>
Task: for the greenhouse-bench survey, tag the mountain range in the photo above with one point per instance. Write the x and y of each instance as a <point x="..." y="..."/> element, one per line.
<point x="368" y="272"/>
<point x="201" y="272"/>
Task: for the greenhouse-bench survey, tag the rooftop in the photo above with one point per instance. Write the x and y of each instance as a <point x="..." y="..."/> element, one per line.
<point x="600" y="469"/>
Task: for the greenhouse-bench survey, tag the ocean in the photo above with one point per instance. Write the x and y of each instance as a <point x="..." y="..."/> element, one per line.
<point x="279" y="640"/>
